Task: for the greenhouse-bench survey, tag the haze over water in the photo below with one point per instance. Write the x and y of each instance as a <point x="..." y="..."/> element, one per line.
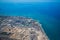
<point x="47" y="13"/>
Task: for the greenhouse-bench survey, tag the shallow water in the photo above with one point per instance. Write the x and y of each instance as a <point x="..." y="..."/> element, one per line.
<point x="47" y="13"/>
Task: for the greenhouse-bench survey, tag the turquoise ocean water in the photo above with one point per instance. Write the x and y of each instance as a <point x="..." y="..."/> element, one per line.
<point x="47" y="13"/>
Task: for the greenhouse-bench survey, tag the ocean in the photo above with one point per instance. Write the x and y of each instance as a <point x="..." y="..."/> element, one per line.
<point x="47" y="13"/>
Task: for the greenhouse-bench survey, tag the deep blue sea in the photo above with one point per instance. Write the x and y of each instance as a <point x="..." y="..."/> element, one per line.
<point x="47" y="13"/>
